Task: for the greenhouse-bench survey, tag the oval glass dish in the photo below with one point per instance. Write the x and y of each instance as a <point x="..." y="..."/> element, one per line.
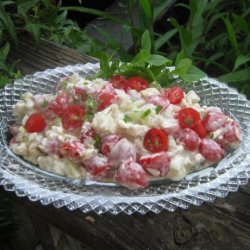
<point x="216" y="181"/>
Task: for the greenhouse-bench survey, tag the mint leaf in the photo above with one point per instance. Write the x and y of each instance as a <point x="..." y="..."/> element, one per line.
<point x="141" y="58"/>
<point x="158" y="60"/>
<point x="146" y="41"/>
<point x="193" y="74"/>
<point x="183" y="66"/>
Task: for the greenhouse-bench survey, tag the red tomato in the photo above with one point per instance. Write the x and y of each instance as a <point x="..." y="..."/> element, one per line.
<point x="156" y="164"/>
<point x="80" y="94"/>
<point x="35" y="123"/>
<point x="155" y="140"/>
<point x="231" y="132"/>
<point x="189" y="139"/>
<point x="214" y="120"/>
<point x="121" y="151"/>
<point x="174" y="94"/>
<point x="72" y="117"/>
<point x="131" y="175"/>
<point x="118" y="82"/>
<point x="211" y="150"/>
<point x="72" y="149"/>
<point x="108" y="142"/>
<point x="188" y="118"/>
<point x="59" y="104"/>
<point x="97" y="165"/>
<point x="200" y="129"/>
<point x="106" y="97"/>
<point x="87" y="132"/>
<point x="138" y="83"/>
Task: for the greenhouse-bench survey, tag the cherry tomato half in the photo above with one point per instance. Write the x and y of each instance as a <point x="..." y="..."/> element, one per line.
<point x="59" y="104"/>
<point x="72" y="117"/>
<point x="174" y="94"/>
<point x="138" y="83"/>
<point x="188" y="118"/>
<point x="155" y="140"/>
<point x="106" y="97"/>
<point x="118" y="82"/>
<point x="200" y="129"/>
<point x="35" y="123"/>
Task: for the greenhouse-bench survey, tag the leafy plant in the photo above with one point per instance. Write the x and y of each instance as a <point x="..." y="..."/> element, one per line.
<point x="40" y="18"/>
<point x="216" y="37"/>
<point x="153" y="67"/>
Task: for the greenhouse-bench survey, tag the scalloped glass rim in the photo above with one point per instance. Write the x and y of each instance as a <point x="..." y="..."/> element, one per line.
<point x="26" y="180"/>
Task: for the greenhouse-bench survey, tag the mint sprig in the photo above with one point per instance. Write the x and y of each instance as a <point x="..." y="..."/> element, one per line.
<point x="154" y="68"/>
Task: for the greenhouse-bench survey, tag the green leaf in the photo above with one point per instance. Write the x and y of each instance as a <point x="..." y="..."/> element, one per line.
<point x="185" y="37"/>
<point x="141" y="58"/>
<point x="23" y="6"/>
<point x="236" y="76"/>
<point x="158" y="109"/>
<point x="158" y="60"/>
<point x="182" y="66"/>
<point x="7" y="22"/>
<point x="146" y="113"/>
<point x="127" y="118"/>
<point x="231" y="34"/>
<point x="179" y="57"/>
<point x="95" y="12"/>
<point x="197" y="10"/>
<point x="34" y="30"/>
<point x="147" y="8"/>
<point x="146" y="16"/>
<point x="242" y="23"/>
<point x="161" y="9"/>
<point x="164" y="38"/>
<point x="4" y="51"/>
<point x="193" y="74"/>
<point x="240" y="60"/>
<point x="146" y="41"/>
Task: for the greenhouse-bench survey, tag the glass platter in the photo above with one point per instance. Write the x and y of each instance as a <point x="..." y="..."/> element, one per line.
<point x="203" y="186"/>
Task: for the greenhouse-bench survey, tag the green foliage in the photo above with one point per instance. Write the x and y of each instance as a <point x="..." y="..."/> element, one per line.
<point x="40" y="18"/>
<point x="216" y="38"/>
<point x="154" y="68"/>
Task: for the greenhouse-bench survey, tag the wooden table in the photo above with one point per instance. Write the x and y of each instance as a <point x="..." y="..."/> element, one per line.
<point x="224" y="224"/>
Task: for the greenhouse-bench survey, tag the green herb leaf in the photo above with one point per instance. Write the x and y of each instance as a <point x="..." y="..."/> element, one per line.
<point x="127" y="118"/>
<point x="146" y="41"/>
<point x="146" y="113"/>
<point x="183" y="66"/>
<point x="158" y="109"/>
<point x="98" y="140"/>
<point x="158" y="60"/>
<point x="193" y="74"/>
<point x="44" y="104"/>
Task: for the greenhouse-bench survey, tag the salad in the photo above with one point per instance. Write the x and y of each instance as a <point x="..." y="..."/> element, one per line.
<point x="122" y="129"/>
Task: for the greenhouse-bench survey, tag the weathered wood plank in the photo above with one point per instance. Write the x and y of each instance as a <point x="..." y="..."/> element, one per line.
<point x="223" y="224"/>
<point x="48" y="55"/>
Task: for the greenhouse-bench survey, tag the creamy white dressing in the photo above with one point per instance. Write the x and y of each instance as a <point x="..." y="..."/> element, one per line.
<point x="131" y="117"/>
